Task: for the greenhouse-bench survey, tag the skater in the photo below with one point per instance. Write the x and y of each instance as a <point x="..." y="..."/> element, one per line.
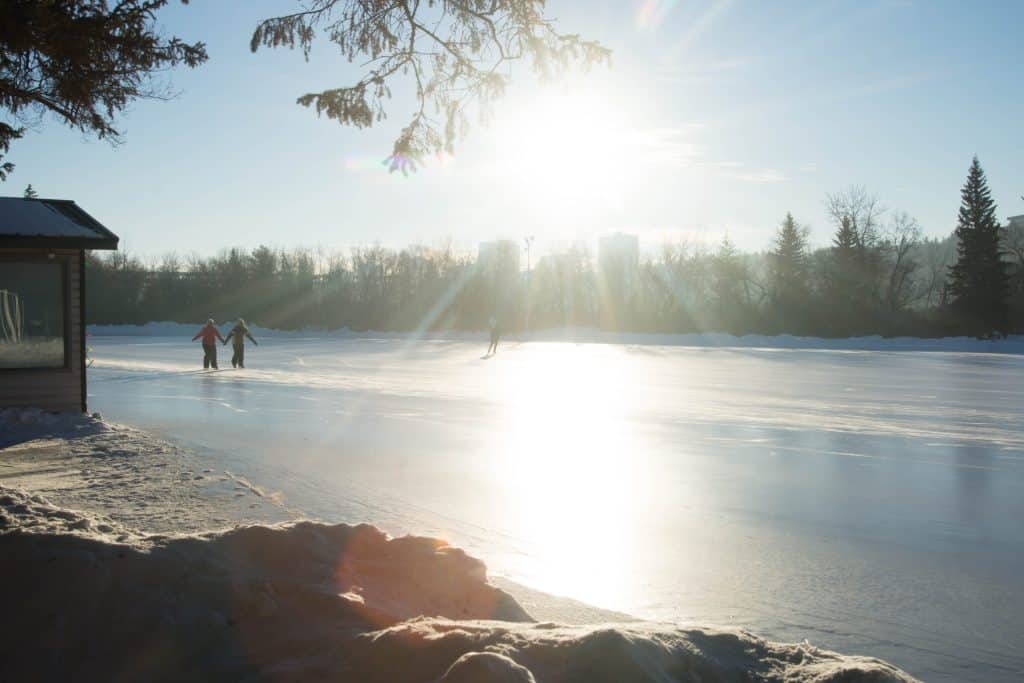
<point x="210" y="334"/>
<point x="237" y="336"/>
<point x="495" y="335"/>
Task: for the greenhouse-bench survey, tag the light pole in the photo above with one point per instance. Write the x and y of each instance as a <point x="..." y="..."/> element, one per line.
<point x="528" y="241"/>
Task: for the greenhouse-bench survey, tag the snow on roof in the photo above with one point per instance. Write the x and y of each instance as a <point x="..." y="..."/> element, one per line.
<point x="53" y="223"/>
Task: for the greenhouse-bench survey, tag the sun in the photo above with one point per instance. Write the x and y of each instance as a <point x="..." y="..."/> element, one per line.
<point x="569" y="154"/>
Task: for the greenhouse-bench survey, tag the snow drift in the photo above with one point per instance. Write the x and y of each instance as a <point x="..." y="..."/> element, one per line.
<point x="24" y="424"/>
<point x="87" y="598"/>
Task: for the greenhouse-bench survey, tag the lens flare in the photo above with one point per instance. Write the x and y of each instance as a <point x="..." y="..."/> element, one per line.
<point x="653" y="12"/>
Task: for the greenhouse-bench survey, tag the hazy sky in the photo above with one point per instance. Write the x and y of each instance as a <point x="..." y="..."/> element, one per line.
<point x="715" y="117"/>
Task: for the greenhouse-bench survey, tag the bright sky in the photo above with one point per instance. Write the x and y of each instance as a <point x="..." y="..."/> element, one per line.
<point x="716" y="117"/>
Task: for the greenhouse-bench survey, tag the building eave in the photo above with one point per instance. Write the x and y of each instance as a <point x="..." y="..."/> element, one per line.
<point x="37" y="242"/>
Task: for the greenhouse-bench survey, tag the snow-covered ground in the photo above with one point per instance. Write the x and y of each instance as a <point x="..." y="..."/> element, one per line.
<point x="141" y="481"/>
<point x="867" y="501"/>
<point x="86" y="598"/>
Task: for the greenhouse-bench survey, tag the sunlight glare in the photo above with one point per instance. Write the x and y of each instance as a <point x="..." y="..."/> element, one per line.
<point x="568" y="442"/>
<point x="569" y="155"/>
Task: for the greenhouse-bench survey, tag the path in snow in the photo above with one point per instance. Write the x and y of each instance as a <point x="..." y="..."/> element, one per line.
<point x="870" y="502"/>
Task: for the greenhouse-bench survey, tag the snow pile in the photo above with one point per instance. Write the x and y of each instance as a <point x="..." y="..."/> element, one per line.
<point x="609" y="652"/>
<point x="1013" y="344"/>
<point x="23" y="511"/>
<point x="136" y="478"/>
<point x="23" y="424"/>
<point x="93" y="600"/>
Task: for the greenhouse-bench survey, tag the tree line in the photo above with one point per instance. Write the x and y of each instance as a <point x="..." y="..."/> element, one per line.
<point x="877" y="276"/>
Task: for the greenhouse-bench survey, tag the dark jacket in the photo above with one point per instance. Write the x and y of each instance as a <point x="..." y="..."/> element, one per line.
<point x="238" y="334"/>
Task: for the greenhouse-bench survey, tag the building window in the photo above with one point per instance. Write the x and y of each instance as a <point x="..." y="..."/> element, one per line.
<point x="33" y="315"/>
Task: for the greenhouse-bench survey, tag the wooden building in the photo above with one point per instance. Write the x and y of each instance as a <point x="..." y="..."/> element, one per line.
<point x="42" y="301"/>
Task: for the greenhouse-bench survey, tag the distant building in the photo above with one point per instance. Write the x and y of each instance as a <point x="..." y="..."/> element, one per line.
<point x="498" y="263"/>
<point x="1015" y="222"/>
<point x="620" y="250"/>
<point x="618" y="264"/>
<point x="42" y="301"/>
<point x="499" y="256"/>
<point x="554" y="261"/>
<point x="559" y="271"/>
<point x="618" y="261"/>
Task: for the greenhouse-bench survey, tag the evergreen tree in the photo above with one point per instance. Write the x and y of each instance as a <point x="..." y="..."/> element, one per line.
<point x="846" y="241"/>
<point x="844" y="280"/>
<point x="978" y="282"/>
<point x="853" y="275"/>
<point x="789" y="276"/>
<point x="730" y="288"/>
<point x="459" y="58"/>
<point x="788" y="261"/>
<point x="83" y="61"/>
<point x="727" y="273"/>
<point x="30" y="192"/>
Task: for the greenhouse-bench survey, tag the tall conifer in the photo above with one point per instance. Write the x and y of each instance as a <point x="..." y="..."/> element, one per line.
<point x="979" y="282"/>
<point x="788" y="263"/>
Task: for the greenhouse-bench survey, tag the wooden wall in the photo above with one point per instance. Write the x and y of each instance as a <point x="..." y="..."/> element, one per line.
<point x="58" y="389"/>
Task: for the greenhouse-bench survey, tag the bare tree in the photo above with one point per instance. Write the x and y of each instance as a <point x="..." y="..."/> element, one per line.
<point x="457" y="52"/>
<point x="937" y="255"/>
<point x="1013" y="244"/>
<point x="900" y="237"/>
<point x="855" y="275"/>
<point x="758" y="278"/>
<point x="170" y="263"/>
<point x="859" y="210"/>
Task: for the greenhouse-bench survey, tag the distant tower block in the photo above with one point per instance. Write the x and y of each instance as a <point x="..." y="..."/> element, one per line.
<point x="498" y="261"/>
<point x="618" y="262"/>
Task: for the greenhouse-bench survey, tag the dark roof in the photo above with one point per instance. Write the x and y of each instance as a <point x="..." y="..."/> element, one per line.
<point x="52" y="224"/>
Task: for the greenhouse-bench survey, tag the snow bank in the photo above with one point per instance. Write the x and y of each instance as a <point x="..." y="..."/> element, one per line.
<point x="23" y="424"/>
<point x="1011" y="345"/>
<point x="89" y="599"/>
<point x="140" y="480"/>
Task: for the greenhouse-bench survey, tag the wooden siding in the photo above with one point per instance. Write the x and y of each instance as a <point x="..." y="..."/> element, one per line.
<point x="58" y="389"/>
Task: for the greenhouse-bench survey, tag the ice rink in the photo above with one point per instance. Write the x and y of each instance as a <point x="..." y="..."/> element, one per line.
<point x="871" y="502"/>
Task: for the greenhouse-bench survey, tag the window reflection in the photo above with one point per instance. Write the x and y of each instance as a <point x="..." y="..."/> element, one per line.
<point x="32" y="331"/>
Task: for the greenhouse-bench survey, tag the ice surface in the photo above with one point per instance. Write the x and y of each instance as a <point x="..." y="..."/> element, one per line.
<point x="1013" y="344"/>
<point x="89" y="600"/>
<point x="868" y="501"/>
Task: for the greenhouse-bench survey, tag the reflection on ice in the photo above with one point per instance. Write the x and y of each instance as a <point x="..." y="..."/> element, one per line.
<point x="563" y="436"/>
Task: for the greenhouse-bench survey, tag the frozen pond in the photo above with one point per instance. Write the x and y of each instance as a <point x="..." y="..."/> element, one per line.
<point x="870" y="502"/>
